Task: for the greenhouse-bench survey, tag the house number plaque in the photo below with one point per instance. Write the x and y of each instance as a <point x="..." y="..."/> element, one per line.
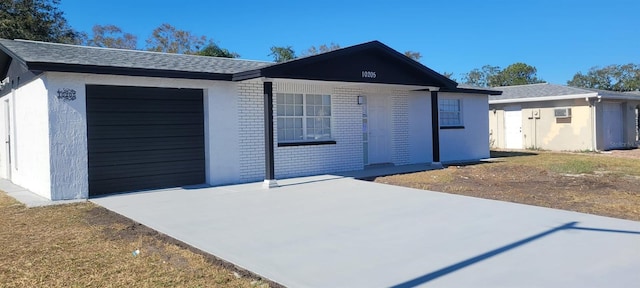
<point x="66" y="94"/>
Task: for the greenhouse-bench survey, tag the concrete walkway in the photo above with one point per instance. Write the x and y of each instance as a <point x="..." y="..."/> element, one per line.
<point x="29" y="198"/>
<point x="330" y="231"/>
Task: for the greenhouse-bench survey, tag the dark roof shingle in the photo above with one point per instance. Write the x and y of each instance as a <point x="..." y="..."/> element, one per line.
<point x="52" y="53"/>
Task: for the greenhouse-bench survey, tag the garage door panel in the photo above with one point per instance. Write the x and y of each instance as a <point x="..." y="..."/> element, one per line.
<point x="144" y="144"/>
<point x="145" y="169"/>
<point x="135" y="157"/>
<point x="139" y="118"/>
<point x="141" y="131"/>
<point x="142" y="105"/>
<point x="146" y="93"/>
<point x="144" y="138"/>
<point x="142" y="183"/>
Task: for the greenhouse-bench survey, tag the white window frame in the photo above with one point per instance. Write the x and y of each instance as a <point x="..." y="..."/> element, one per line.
<point x="441" y="112"/>
<point x="283" y="113"/>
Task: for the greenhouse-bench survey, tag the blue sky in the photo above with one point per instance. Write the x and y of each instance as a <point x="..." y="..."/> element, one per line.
<point x="558" y="37"/>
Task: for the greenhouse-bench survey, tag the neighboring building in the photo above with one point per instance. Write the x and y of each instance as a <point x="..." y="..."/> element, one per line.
<point x="77" y="122"/>
<point x="557" y="117"/>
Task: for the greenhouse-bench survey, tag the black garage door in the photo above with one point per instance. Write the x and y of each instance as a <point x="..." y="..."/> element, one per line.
<point x="144" y="138"/>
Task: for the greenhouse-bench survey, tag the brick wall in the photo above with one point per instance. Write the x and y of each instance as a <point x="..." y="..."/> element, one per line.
<point x="251" y="134"/>
<point x="346" y="123"/>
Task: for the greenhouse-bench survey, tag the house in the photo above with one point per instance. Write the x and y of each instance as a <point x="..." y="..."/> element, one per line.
<point x="78" y="122"/>
<point x="558" y="117"/>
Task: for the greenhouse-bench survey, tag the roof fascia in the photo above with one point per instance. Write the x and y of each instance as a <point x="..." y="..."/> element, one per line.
<point x="546" y="98"/>
<point x="472" y="91"/>
<point x="95" y="69"/>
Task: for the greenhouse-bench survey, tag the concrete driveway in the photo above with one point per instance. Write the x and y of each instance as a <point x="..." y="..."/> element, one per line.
<point x="330" y="231"/>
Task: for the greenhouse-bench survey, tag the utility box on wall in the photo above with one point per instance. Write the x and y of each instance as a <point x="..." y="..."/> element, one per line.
<point x="562" y="112"/>
<point x="534" y="114"/>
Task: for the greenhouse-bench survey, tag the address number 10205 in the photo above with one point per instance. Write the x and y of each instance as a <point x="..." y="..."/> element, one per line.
<point x="368" y="74"/>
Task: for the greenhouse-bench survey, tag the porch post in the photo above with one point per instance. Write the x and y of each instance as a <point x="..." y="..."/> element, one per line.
<point x="269" y="173"/>
<point x="435" y="128"/>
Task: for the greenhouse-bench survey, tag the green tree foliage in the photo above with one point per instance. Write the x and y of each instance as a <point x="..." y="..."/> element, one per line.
<point x="282" y="54"/>
<point x="35" y="20"/>
<point x="313" y="50"/>
<point x="481" y="77"/>
<point x="167" y="38"/>
<point x="613" y="77"/>
<point x="112" y="36"/>
<point x="214" y="50"/>
<point x="515" y="74"/>
<point x="448" y="75"/>
<point x="413" y="55"/>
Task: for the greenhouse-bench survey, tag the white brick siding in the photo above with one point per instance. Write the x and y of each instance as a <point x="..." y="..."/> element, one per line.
<point x="251" y="134"/>
<point x="346" y="123"/>
<point x="400" y="127"/>
<point x="346" y="130"/>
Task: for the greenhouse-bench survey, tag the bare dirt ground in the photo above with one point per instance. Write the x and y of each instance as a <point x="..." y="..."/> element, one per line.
<point x="606" y="184"/>
<point x="83" y="245"/>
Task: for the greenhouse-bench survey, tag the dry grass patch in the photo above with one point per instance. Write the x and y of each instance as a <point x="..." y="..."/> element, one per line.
<point x="584" y="182"/>
<point x="83" y="245"/>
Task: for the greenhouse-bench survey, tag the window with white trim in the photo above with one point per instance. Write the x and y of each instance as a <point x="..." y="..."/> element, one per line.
<point x="303" y="117"/>
<point x="450" y="112"/>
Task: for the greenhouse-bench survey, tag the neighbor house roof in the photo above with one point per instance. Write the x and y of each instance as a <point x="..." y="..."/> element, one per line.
<point x="550" y="92"/>
<point x="72" y="58"/>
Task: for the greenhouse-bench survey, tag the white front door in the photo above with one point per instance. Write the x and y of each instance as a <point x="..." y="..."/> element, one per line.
<point x="379" y="125"/>
<point x="513" y="127"/>
<point x="612" y="125"/>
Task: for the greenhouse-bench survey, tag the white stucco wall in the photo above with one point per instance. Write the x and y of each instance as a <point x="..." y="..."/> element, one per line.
<point x="221" y="133"/>
<point x="420" y="136"/>
<point x="69" y="173"/>
<point x="4" y="137"/>
<point x="30" y="137"/>
<point x="471" y="142"/>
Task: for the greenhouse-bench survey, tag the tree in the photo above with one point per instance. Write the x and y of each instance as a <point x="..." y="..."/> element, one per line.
<point x="321" y="49"/>
<point x="35" y="20"/>
<point x="169" y="39"/>
<point x="413" y="55"/>
<point x="481" y="77"/>
<point x="281" y="54"/>
<point x="214" y="50"/>
<point x="613" y="77"/>
<point x="448" y="75"/>
<point x="515" y="74"/>
<point x="112" y="36"/>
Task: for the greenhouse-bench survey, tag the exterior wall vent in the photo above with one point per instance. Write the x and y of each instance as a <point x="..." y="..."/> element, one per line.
<point x="562" y="112"/>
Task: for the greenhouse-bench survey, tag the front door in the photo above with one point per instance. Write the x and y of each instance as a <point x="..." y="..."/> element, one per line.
<point x="613" y="125"/>
<point x="513" y="127"/>
<point x="379" y="126"/>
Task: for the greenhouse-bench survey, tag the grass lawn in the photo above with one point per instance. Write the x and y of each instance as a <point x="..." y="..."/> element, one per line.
<point x="82" y="245"/>
<point x="585" y="182"/>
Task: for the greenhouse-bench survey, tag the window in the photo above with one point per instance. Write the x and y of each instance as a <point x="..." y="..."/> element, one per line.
<point x="450" y="112"/>
<point x="303" y="118"/>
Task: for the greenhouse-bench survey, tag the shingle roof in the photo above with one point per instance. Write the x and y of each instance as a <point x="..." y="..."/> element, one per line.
<point x="543" y="90"/>
<point x="536" y="90"/>
<point x="42" y="52"/>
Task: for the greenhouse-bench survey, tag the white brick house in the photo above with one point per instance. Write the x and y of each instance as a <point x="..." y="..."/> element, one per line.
<point x="82" y="121"/>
